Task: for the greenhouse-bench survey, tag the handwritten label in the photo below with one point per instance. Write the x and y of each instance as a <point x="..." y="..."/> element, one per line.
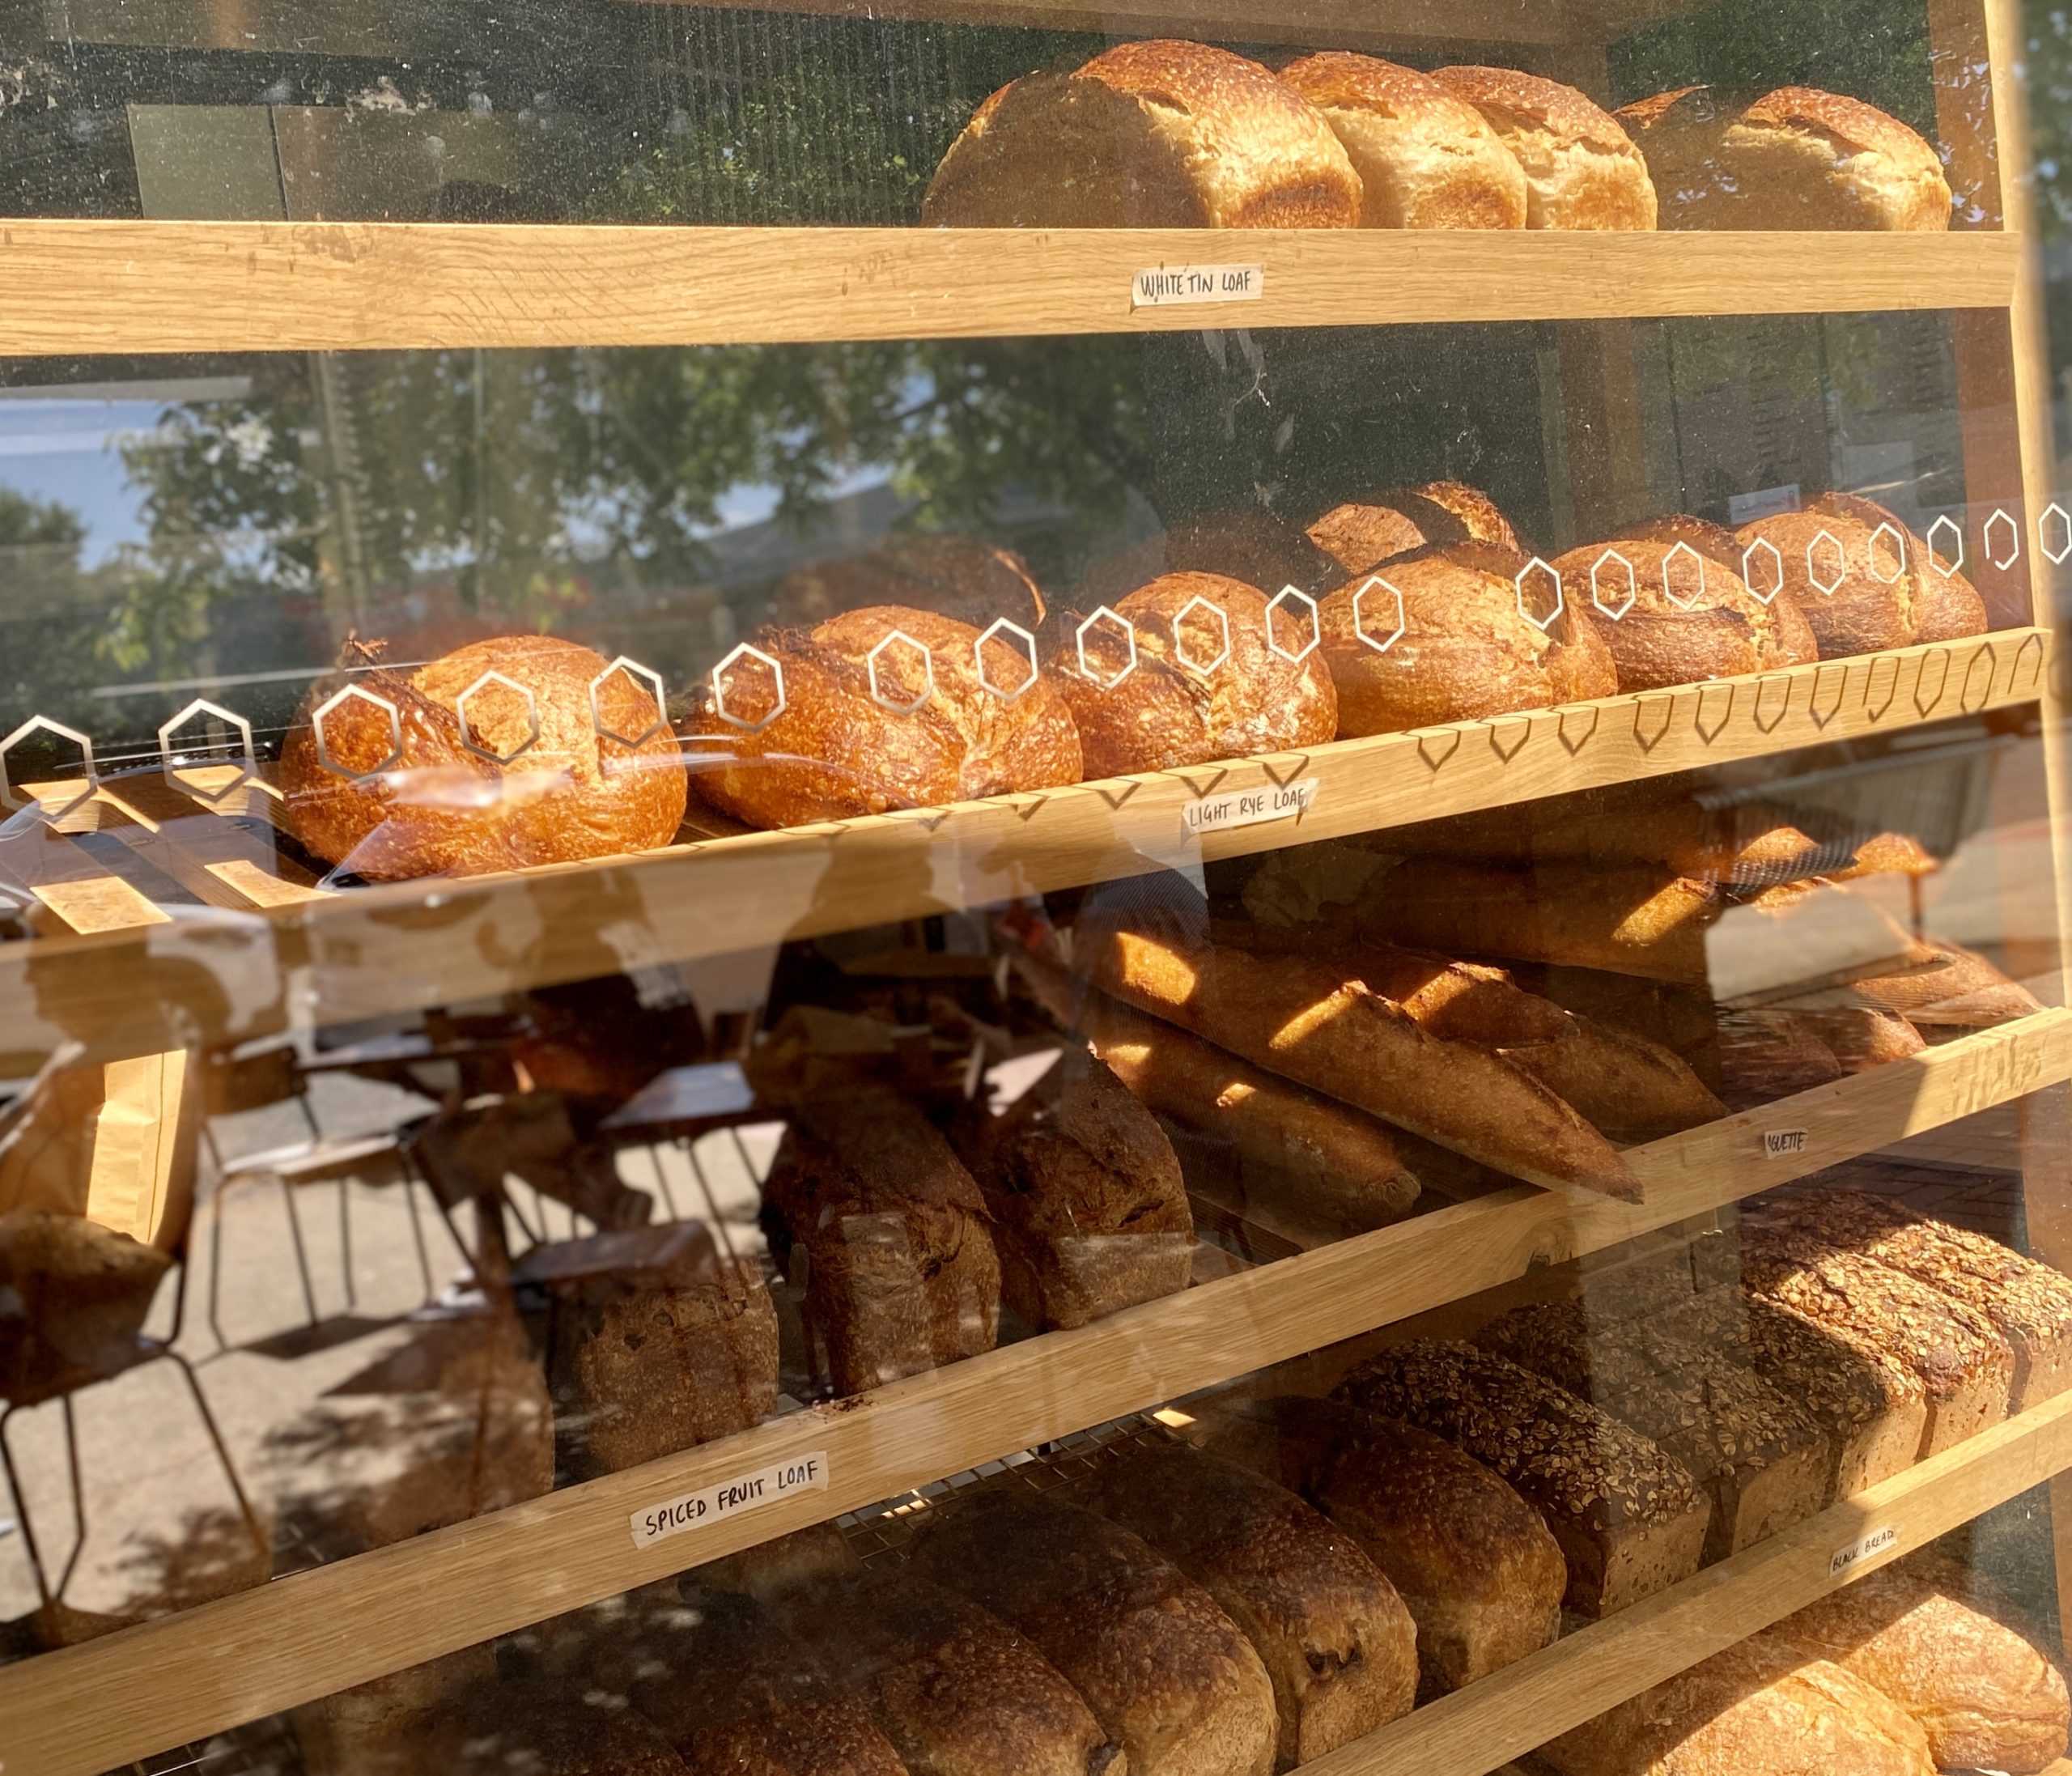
<point x="1248" y="807"/>
<point x="693" y="1510"/>
<point x="1783" y="1143"/>
<point x="1875" y="1543"/>
<point x="1166" y="285"/>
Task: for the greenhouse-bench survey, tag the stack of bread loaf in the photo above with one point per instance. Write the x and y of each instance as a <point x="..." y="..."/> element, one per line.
<point x="1169" y="134"/>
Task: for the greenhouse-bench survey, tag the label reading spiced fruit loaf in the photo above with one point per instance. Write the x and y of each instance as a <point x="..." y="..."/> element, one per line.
<point x="806" y="1473"/>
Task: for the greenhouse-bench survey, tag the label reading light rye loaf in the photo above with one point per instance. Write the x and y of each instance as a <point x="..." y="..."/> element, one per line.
<point x="806" y="1473"/>
<point x="1171" y="286"/>
<point x="1783" y="1143"/>
<point x="1248" y="807"/>
<point x="1875" y="1543"/>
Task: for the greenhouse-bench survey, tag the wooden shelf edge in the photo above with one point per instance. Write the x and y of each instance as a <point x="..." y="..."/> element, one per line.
<point x="379" y="950"/>
<point x="127" y="286"/>
<point x="1515" y="1710"/>
<point x="89" y="1708"/>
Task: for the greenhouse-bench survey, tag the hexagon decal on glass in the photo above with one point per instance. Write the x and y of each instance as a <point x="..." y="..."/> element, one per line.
<point x="1953" y="548"/>
<point x="646" y="680"/>
<point x="1684" y="568"/>
<point x="1541" y="573"/>
<point x="495" y="680"/>
<point x="899" y="638"/>
<point x="2054" y="513"/>
<point x="1104" y="615"/>
<point x="1026" y="642"/>
<point x="88" y="769"/>
<point x="173" y="761"/>
<point x="1762" y="548"/>
<point x="1391" y="617"/>
<point x="742" y="657"/>
<point x="1221" y="652"/>
<point x="354" y="693"/>
<point x="1835" y="558"/>
<point x="1614" y="570"/>
<point x="1316" y="630"/>
<point x="1896" y="552"/>
<point x="2001" y="521"/>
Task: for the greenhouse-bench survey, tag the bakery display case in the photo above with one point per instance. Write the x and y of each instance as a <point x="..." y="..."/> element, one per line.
<point x="1015" y="887"/>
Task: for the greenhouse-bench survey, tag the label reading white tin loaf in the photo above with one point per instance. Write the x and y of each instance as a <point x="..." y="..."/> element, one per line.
<point x="1248" y="807"/>
<point x="1783" y="1143"/>
<point x="652" y="1524"/>
<point x="1167" y="286"/>
<point x="1875" y="1543"/>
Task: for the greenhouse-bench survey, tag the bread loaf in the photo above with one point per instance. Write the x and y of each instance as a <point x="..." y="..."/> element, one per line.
<point x="1582" y="169"/>
<point x="1440" y="636"/>
<point x="74" y="1298"/>
<point x="1169" y="1676"/>
<point x="1194" y="679"/>
<point x="431" y="798"/>
<point x="902" y="1275"/>
<point x="1158" y="135"/>
<point x="543" y="1730"/>
<point x="1968" y="992"/>
<point x="1364" y="533"/>
<point x="1965" y="1366"/>
<point x="384" y="1727"/>
<point x="957" y="1690"/>
<point x="835" y="750"/>
<point x="959" y="577"/>
<point x="658" y="1343"/>
<point x="1684" y="618"/>
<point x="1335" y="1638"/>
<point x="1305" y="1021"/>
<point x="1479" y="1570"/>
<point x="1764" y="1055"/>
<point x="1986" y="1699"/>
<point x="1090" y="1210"/>
<point x="1764" y="1462"/>
<point x="1885" y="591"/>
<point x="2028" y="1304"/>
<point x="1628" y="1518"/>
<point x="1426" y="158"/>
<point x="1751" y="1710"/>
<point x="1795" y="157"/>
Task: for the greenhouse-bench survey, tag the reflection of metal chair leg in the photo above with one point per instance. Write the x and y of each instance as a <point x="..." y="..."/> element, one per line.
<point x="78" y="1497"/>
<point x="301" y="1254"/>
<point x="719" y="1222"/>
<point x="216" y="1261"/>
<point x="662" y="1181"/>
<point x="21" y="1498"/>
<point x="416" y="1236"/>
<point x="261" y="1541"/>
<point x="346" y="1241"/>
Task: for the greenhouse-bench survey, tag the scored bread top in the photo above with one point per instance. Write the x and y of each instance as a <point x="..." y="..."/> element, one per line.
<point x="1582" y="170"/>
<point x="1849" y="120"/>
<point x="1533" y="101"/>
<point x="1362" y="533"/>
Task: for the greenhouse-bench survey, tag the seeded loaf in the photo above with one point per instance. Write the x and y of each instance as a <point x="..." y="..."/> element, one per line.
<point x="2028" y="1304"/>
<point x="1764" y="1462"/>
<point x="1477" y="1566"/>
<point x="1090" y="1210"/>
<point x="1337" y="1641"/>
<point x="1985" y="1697"/>
<point x="902" y="1273"/>
<point x="1965" y="1366"/>
<point x="1167" y="1673"/>
<point x="1628" y="1517"/>
<point x="1157" y="134"/>
<point x="1582" y="169"/>
<point x="1363" y="533"/>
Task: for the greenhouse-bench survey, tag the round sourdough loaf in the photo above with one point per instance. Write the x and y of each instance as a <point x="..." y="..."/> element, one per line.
<point x="1426" y="159"/>
<point x="953" y="576"/>
<point x="834" y="751"/>
<point x="1712" y="627"/>
<point x="434" y="808"/>
<point x="1205" y="684"/>
<point x="1159" y="134"/>
<point x="1886" y="591"/>
<point x="1582" y="169"/>
<point x="1361" y="534"/>
<point x="1796" y="158"/>
<point x="1465" y="650"/>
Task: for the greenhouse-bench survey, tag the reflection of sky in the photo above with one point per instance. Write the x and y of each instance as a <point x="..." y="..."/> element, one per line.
<point x="68" y="450"/>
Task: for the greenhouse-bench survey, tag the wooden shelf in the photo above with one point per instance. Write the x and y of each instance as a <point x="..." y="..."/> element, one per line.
<point x="114" y="287"/>
<point x="89" y="1708"/>
<point x="368" y="952"/>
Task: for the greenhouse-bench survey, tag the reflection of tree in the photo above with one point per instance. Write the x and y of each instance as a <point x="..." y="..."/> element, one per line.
<point x="47" y="652"/>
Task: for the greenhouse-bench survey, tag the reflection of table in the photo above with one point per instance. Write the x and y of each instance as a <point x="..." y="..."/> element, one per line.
<point x="683" y="1102"/>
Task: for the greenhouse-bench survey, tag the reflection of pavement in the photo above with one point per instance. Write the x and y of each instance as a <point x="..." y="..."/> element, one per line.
<point x="148" y="1471"/>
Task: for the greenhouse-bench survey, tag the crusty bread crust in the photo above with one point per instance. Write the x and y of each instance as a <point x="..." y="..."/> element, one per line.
<point x="1362" y="533"/>
<point x="1426" y="158"/>
<point x="1157" y="134"/>
<point x="1582" y="169"/>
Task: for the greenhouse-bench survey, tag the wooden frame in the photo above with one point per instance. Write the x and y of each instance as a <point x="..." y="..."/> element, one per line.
<point x="78" y="1711"/>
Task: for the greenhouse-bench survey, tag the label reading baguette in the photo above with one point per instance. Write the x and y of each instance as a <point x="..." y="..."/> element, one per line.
<point x="693" y="1510"/>
<point x="1165" y="286"/>
<point x="1875" y="1543"/>
<point x="1783" y="1143"/>
<point x="1248" y="807"/>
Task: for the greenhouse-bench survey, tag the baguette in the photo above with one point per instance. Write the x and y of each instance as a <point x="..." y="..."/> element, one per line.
<point x="1968" y="992"/>
<point x="1303" y="1020"/>
<point x="1333" y="1634"/>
